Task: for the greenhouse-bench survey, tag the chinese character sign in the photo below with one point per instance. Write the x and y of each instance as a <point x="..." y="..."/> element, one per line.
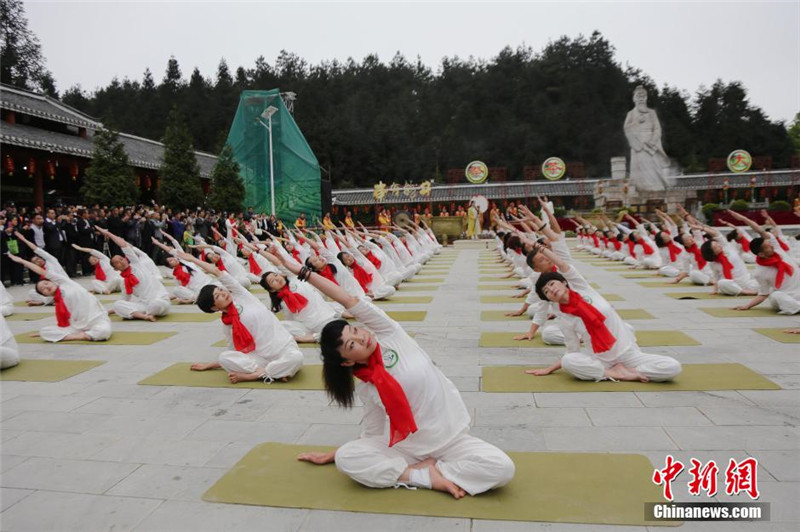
<point x="379" y="191"/>
<point x="739" y="161"/>
<point x="554" y="168"/>
<point x="739" y="477"/>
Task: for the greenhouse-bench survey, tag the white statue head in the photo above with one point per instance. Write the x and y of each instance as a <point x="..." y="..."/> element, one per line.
<point x="640" y="96"/>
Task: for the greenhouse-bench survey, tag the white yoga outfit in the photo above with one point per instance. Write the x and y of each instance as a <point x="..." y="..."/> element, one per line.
<point x="583" y="363"/>
<point x="87" y="315"/>
<point x="113" y="282"/>
<point x="9" y="350"/>
<point x="742" y="280"/>
<point x="149" y="296"/>
<point x="276" y="354"/>
<point x="785" y="300"/>
<point x="439" y="412"/>
<point x="311" y="319"/>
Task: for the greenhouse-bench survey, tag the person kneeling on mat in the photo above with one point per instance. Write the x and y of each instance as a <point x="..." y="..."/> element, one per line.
<point x="261" y="348"/>
<point x="428" y="443"/>
<point x="610" y="350"/>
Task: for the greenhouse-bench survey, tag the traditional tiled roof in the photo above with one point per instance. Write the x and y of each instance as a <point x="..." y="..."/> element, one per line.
<point x="143" y="153"/>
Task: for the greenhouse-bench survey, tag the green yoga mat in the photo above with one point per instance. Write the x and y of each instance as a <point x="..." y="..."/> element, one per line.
<point x="640" y="275"/>
<point x="724" y="312"/>
<point x="417" y="288"/>
<point x="47" y="370"/>
<point x="489" y="287"/>
<point x="612" y="297"/>
<point x="663" y="284"/>
<point x="625" y="314"/>
<point x="421" y="280"/>
<point x="407" y="315"/>
<point x="779" y="336"/>
<point x="23" y="304"/>
<point x="181" y="317"/>
<point x="643" y="338"/>
<point x="700" y="295"/>
<point x="117" y="338"/>
<point x="308" y="378"/>
<point x="494" y="278"/>
<point x="501" y="299"/>
<point x="405" y="300"/>
<point x="29" y="316"/>
<point x="694" y="377"/>
<point x="550" y="487"/>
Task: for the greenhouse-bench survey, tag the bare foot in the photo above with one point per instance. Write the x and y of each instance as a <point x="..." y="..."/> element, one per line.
<point x="201" y="366"/>
<point x="150" y="317"/>
<point x="34" y="335"/>
<point x="424" y="464"/>
<point x="237" y="376"/>
<point x="439" y="483"/>
<point x="521" y="337"/>
<point x="34" y="303"/>
<point x="624" y="373"/>
<point x="111" y="312"/>
<point x="792" y="331"/>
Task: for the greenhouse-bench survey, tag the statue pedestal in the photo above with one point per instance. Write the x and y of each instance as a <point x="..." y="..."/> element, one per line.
<point x="614" y="194"/>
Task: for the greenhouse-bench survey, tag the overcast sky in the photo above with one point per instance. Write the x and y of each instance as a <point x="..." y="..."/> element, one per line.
<point x="683" y="44"/>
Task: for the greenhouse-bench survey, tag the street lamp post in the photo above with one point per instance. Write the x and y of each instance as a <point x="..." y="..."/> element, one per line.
<point x="267" y="114"/>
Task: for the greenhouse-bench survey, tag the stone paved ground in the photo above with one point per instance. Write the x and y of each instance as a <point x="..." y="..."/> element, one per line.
<point x="99" y="452"/>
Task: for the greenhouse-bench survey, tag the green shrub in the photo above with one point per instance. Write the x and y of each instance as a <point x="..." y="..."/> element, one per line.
<point x="780" y="206"/>
<point x="740" y="205"/>
<point x="569" y="234"/>
<point x="708" y="210"/>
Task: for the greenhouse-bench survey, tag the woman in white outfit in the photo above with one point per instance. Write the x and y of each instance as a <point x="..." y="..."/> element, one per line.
<point x="79" y="314"/>
<point x="259" y="347"/>
<point x="190" y="278"/>
<point x="225" y="262"/>
<point x="9" y="350"/>
<point x="45" y="261"/>
<point x="145" y="297"/>
<point x="106" y="278"/>
<point x="728" y="270"/>
<point x="610" y="351"/>
<point x="6" y="301"/>
<point x="427" y="444"/>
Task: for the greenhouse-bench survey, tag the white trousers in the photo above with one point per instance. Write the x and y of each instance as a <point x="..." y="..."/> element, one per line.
<point x="590" y="368"/>
<point x="651" y="263"/>
<point x="154" y="307"/>
<point x="471" y="463"/>
<point x="617" y="255"/>
<point x="288" y="362"/>
<point x="784" y="303"/>
<point x="699" y="277"/>
<point x="669" y="271"/>
<point x="8" y="357"/>
<point x="36" y="297"/>
<point x="7" y="309"/>
<point x="297" y="329"/>
<point x="748" y="258"/>
<point x="730" y="287"/>
<point x="383" y="291"/>
<point x="393" y="278"/>
<point x="551" y="334"/>
<point x="182" y="292"/>
<point x="98" y="330"/>
<point x="101" y="287"/>
<point x="630" y="261"/>
<point x="244" y="280"/>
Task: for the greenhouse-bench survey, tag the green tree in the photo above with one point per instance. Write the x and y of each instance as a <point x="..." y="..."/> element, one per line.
<point x="21" y="61"/>
<point x="794" y="133"/>
<point x="180" y="173"/>
<point x="110" y="178"/>
<point x="227" y="187"/>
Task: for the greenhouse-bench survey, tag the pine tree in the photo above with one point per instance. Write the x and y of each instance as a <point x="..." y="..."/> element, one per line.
<point x="180" y="173"/>
<point x="21" y="61"/>
<point x="227" y="192"/>
<point x="109" y="179"/>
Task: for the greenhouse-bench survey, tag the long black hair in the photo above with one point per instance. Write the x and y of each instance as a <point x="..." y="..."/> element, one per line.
<point x="275" y="299"/>
<point x="546" y="278"/>
<point x="309" y="265"/>
<point x="707" y="251"/>
<point x="338" y="379"/>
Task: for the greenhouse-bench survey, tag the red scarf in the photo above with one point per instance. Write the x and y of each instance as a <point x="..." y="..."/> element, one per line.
<point x="631" y="248"/>
<point x="99" y="274"/>
<point x="593" y="320"/>
<point x="408" y="248"/>
<point x="242" y="339"/>
<point x="327" y="273"/>
<point x="605" y="241"/>
<point x="727" y="267"/>
<point x="596" y="242"/>
<point x="296" y="254"/>
<point x="744" y="243"/>
<point x="776" y="261"/>
<point x="648" y="250"/>
<point x="674" y="251"/>
<point x="130" y="279"/>
<point x="221" y="264"/>
<point x="294" y="302"/>
<point x="698" y="257"/>
<point x="783" y="244"/>
<point x="62" y="312"/>
<point x="181" y="275"/>
<point x="255" y="269"/>
<point x="373" y="259"/>
<point x="362" y="276"/>
<point x="617" y="244"/>
<point x="401" y="418"/>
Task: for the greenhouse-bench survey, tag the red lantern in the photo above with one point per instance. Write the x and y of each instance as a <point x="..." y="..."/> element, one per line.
<point x="206" y="187"/>
<point x="138" y="181"/>
<point x="9" y="165"/>
<point x="73" y="170"/>
<point x="155" y="183"/>
<point x="51" y="169"/>
<point x="31" y="166"/>
<point x="147" y="182"/>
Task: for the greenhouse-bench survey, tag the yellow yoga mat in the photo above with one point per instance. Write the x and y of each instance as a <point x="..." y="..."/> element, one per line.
<point x="779" y="336"/>
<point x="405" y="300"/>
<point x="117" y="338"/>
<point x="613" y="297"/>
<point x="489" y="287"/>
<point x="724" y="312"/>
<point x="47" y="370"/>
<point x="665" y="284"/>
<point x="496" y="278"/>
<point x="407" y="315"/>
<point x="700" y="295"/>
<point x="181" y="317"/>
<point x="640" y="275"/>
<point x="549" y="487"/>
<point x="417" y="288"/>
<point x="499" y="315"/>
<point x="643" y="338"/>
<point x="29" y="316"/>
<point x="501" y="299"/>
<point x="694" y="377"/>
<point x="308" y="378"/>
<point x="421" y="280"/>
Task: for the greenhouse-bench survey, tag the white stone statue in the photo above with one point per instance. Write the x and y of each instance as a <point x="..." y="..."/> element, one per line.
<point x="648" y="160"/>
